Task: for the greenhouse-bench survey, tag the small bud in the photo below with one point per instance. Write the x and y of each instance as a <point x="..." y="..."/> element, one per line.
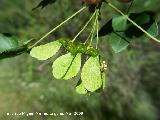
<point x="103" y="66"/>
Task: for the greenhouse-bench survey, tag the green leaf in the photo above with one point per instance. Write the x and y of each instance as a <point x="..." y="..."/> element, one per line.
<point x="17" y="50"/>
<point x="142" y="19"/>
<point x="91" y="74"/>
<point x="80" y="88"/>
<point x="119" y="23"/>
<point x="43" y="52"/>
<point x="153" y="30"/>
<point x="66" y="66"/>
<point x="13" y="52"/>
<point x="118" y="43"/>
<point x="7" y="43"/>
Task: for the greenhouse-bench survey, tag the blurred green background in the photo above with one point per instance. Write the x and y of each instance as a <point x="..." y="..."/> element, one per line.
<point x="27" y="85"/>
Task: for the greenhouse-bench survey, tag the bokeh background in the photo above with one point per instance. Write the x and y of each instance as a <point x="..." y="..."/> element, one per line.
<point x="27" y="85"/>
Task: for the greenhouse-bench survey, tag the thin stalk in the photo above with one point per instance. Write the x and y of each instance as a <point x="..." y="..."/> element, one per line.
<point x="84" y="27"/>
<point x="97" y="24"/>
<point x="90" y="34"/>
<point x="62" y="23"/>
<point x="94" y="27"/>
<point x="135" y="24"/>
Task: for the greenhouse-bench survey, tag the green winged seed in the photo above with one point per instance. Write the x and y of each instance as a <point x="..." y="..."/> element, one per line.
<point x="66" y="66"/>
<point x="91" y="74"/>
<point x="43" y="52"/>
<point x="80" y="88"/>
